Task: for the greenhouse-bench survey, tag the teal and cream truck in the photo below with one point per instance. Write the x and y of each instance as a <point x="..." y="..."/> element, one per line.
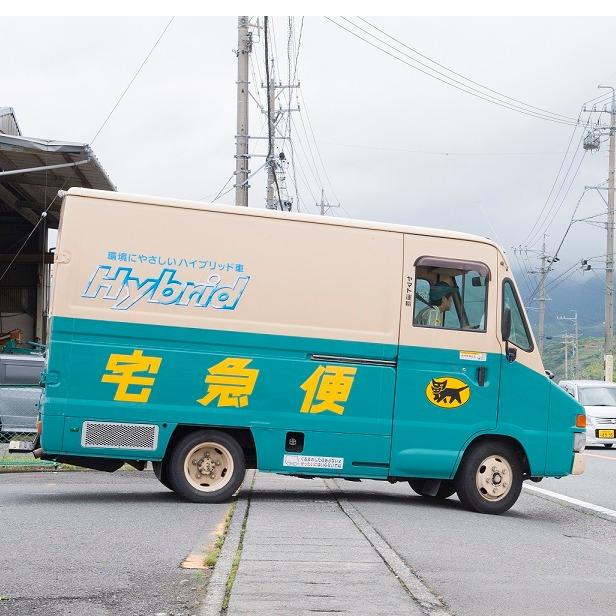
<point x="210" y="339"/>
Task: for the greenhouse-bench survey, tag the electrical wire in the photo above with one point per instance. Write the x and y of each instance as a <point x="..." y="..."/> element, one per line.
<point x="130" y="83"/>
<point x="562" y="241"/>
<point x="318" y="150"/>
<point x="451" y="82"/>
<point x="557" y="210"/>
<point x="560" y="168"/>
<point x="39" y="221"/>
<point x="220" y="193"/>
<point x="515" y="100"/>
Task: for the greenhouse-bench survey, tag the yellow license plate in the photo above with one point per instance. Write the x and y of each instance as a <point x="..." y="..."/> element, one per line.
<point x="605" y="433"/>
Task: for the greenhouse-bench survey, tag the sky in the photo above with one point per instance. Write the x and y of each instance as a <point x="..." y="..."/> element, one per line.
<point x="396" y="145"/>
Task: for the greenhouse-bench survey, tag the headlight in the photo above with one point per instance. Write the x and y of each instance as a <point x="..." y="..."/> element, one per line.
<point x="579" y="441"/>
<point x="590" y="420"/>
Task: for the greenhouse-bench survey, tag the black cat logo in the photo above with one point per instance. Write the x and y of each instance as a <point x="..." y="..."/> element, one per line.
<point x="448" y="392"/>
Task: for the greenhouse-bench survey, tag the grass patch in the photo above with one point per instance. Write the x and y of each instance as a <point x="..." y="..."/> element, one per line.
<point x="235" y="565"/>
<point x="212" y="556"/>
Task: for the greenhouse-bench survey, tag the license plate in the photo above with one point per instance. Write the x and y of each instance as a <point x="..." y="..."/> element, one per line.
<point x="605" y="433"/>
<point x="21" y="446"/>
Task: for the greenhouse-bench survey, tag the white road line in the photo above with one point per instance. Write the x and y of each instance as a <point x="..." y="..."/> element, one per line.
<point x="579" y="504"/>
<point x="598" y="455"/>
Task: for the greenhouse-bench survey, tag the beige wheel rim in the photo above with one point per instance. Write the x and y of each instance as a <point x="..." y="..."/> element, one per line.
<point x="208" y="467"/>
<point x="493" y="478"/>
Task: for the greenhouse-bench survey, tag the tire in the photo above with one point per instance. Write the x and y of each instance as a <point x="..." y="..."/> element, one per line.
<point x="445" y="490"/>
<point x="481" y="481"/>
<point x="608" y="445"/>
<point x="160" y="470"/>
<point x="206" y="466"/>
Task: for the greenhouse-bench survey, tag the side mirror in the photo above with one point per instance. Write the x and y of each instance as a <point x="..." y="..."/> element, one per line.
<point x="506" y="324"/>
<point x="511" y="353"/>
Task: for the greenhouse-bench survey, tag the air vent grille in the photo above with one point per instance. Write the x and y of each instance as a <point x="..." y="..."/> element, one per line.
<point x="119" y="435"/>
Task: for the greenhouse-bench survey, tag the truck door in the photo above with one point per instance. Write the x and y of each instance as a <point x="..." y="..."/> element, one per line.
<point x="449" y="358"/>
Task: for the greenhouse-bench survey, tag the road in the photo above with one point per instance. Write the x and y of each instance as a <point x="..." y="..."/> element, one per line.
<point x="596" y="485"/>
<point x="87" y="543"/>
<point x="81" y="544"/>
<point x="541" y="558"/>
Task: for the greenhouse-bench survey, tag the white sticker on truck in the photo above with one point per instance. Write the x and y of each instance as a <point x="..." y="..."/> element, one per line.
<point x="313" y="461"/>
<point x="473" y="356"/>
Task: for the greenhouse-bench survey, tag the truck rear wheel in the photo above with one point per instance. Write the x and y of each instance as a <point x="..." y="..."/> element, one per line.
<point x="445" y="489"/>
<point x="206" y="466"/>
<point x="489" y="479"/>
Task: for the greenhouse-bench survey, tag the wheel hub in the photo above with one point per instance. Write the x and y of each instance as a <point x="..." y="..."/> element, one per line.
<point x="208" y="467"/>
<point x="493" y="478"/>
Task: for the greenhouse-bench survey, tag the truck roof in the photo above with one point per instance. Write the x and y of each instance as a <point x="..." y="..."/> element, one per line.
<point x="264" y="213"/>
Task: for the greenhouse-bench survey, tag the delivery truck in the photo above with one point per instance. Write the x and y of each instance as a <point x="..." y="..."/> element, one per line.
<point x="208" y="339"/>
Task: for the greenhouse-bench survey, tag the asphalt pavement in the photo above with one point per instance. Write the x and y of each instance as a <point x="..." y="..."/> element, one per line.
<point x="98" y="544"/>
<point x="302" y="555"/>
<point x="87" y="543"/>
<point x="597" y="485"/>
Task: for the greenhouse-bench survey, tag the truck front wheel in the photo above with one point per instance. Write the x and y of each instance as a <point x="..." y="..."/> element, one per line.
<point x="206" y="466"/>
<point x="489" y="479"/>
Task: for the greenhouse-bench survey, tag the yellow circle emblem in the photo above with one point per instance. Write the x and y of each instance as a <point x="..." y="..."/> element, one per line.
<point x="448" y="392"/>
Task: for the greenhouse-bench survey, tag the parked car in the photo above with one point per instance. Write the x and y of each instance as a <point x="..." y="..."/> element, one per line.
<point x="599" y="400"/>
<point x="20" y="391"/>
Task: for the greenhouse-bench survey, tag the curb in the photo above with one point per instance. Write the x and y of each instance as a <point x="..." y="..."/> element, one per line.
<point x="427" y="600"/>
<point x="217" y="586"/>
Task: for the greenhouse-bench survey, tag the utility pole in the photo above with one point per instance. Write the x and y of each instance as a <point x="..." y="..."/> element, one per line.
<point x="325" y="205"/>
<point x="609" y="261"/>
<point x="566" y="356"/>
<point x="275" y="163"/>
<point x="592" y="142"/>
<point x="574" y="341"/>
<point x="546" y="263"/>
<point x="242" y="157"/>
<point x="542" y="274"/>
<point x="271" y="203"/>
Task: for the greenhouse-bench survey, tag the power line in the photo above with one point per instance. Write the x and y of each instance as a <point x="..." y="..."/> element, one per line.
<point x="554" y="258"/>
<point x="220" y="193"/>
<point x="316" y="145"/>
<point x="130" y="83"/>
<point x="566" y="192"/>
<point x="515" y="100"/>
<point x="562" y="163"/>
<point x="534" y="237"/>
<point x="448" y="80"/>
<point x="42" y="218"/>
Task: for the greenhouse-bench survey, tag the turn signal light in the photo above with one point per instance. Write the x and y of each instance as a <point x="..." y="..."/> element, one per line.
<point x="580" y="421"/>
<point x="39" y="427"/>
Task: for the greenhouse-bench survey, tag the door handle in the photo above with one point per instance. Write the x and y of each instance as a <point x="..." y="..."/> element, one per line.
<point x="481" y="375"/>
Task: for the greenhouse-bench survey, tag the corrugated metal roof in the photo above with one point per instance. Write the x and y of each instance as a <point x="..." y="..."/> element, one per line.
<point x="30" y="193"/>
<point x="8" y="121"/>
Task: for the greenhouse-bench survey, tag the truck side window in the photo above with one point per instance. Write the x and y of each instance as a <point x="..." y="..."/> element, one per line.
<point x="450" y="294"/>
<point x="520" y="333"/>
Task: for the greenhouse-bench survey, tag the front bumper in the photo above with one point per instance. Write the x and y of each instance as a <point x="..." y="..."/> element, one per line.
<point x="579" y="464"/>
<point x="591" y="435"/>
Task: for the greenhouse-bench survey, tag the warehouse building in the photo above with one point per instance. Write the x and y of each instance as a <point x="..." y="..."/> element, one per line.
<point x="32" y="171"/>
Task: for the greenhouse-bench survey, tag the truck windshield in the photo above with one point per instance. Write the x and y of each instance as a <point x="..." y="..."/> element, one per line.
<point x="597" y="396"/>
